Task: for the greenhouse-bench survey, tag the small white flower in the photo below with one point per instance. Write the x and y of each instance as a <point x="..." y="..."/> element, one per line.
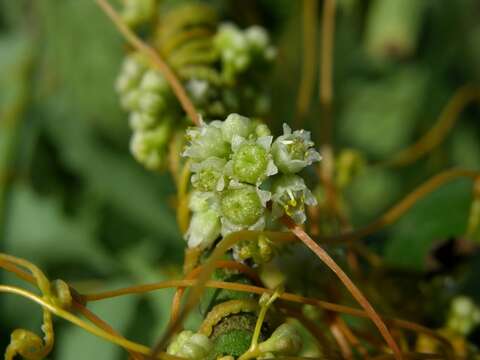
<point x="290" y="195"/>
<point x="206" y="141"/>
<point x="294" y="151"/>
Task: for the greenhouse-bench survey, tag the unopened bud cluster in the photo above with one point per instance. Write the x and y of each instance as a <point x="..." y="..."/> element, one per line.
<point x="231" y="83"/>
<point x="239" y="49"/>
<point x="145" y="93"/>
<point x="237" y="169"/>
<point x="221" y="72"/>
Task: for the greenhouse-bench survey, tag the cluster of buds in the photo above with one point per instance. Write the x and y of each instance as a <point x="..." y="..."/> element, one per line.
<point x="145" y="93"/>
<point x="237" y="169"/>
<point x="241" y="55"/>
<point x="239" y="49"/>
<point x="220" y="72"/>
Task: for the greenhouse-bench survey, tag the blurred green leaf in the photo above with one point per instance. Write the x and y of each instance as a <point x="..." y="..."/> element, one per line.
<point x="379" y="117"/>
<point x="440" y="215"/>
<point x="75" y="343"/>
<point x="38" y="230"/>
<point x="83" y="52"/>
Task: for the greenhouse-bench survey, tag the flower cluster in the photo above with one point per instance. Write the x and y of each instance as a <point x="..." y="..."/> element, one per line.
<point x="221" y="72"/>
<point x="237" y="169"/>
<point x="146" y="95"/>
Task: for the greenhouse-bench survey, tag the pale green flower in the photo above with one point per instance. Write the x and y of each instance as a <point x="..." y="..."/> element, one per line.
<point x="294" y="151"/>
<point x="251" y="160"/>
<point x="289" y="196"/>
<point x="243" y="207"/>
<point x="206" y="141"/>
<point x="208" y="175"/>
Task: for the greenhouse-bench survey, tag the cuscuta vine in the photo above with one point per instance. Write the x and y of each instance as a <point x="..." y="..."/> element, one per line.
<point x="199" y="277"/>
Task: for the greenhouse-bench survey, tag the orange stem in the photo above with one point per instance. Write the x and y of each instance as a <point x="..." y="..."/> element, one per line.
<point x="395" y="212"/>
<point x="224" y="264"/>
<point x="352" y="288"/>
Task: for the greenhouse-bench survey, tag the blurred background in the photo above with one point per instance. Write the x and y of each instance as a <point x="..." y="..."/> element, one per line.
<point x="75" y="202"/>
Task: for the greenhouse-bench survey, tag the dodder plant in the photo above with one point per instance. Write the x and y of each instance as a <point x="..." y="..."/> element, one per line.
<point x="242" y="196"/>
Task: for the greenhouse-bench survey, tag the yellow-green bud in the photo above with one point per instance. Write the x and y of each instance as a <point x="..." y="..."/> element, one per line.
<point x="190" y="345"/>
<point x="285" y="340"/>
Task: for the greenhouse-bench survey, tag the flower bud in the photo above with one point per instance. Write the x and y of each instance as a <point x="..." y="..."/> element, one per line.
<point x="206" y="141"/>
<point x="141" y="121"/>
<point x="289" y="196"/>
<point x="464" y="315"/>
<point x="131" y="99"/>
<point x="149" y="147"/>
<point x="293" y="151"/>
<point x="150" y="102"/>
<point x="285" y="340"/>
<point x="205" y="227"/>
<point x="208" y="175"/>
<point x="238" y="125"/>
<point x="190" y="345"/>
<point x="262" y="130"/>
<point x="153" y="81"/>
<point x="202" y="201"/>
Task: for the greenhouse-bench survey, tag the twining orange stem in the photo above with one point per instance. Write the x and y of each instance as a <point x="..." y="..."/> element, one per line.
<point x="341" y="341"/>
<point x="155" y="59"/>
<point x="350" y="336"/>
<point x="224" y="264"/>
<point x="352" y="288"/>
<point x="395" y="212"/>
<point x="308" y="68"/>
<point x="434" y="137"/>
<point x="22" y="274"/>
<point x="326" y="68"/>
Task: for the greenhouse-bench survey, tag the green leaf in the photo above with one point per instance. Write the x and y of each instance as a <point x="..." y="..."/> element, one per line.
<point x="440" y="215"/>
<point x="379" y="117"/>
<point x="83" y="51"/>
<point x="39" y="231"/>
